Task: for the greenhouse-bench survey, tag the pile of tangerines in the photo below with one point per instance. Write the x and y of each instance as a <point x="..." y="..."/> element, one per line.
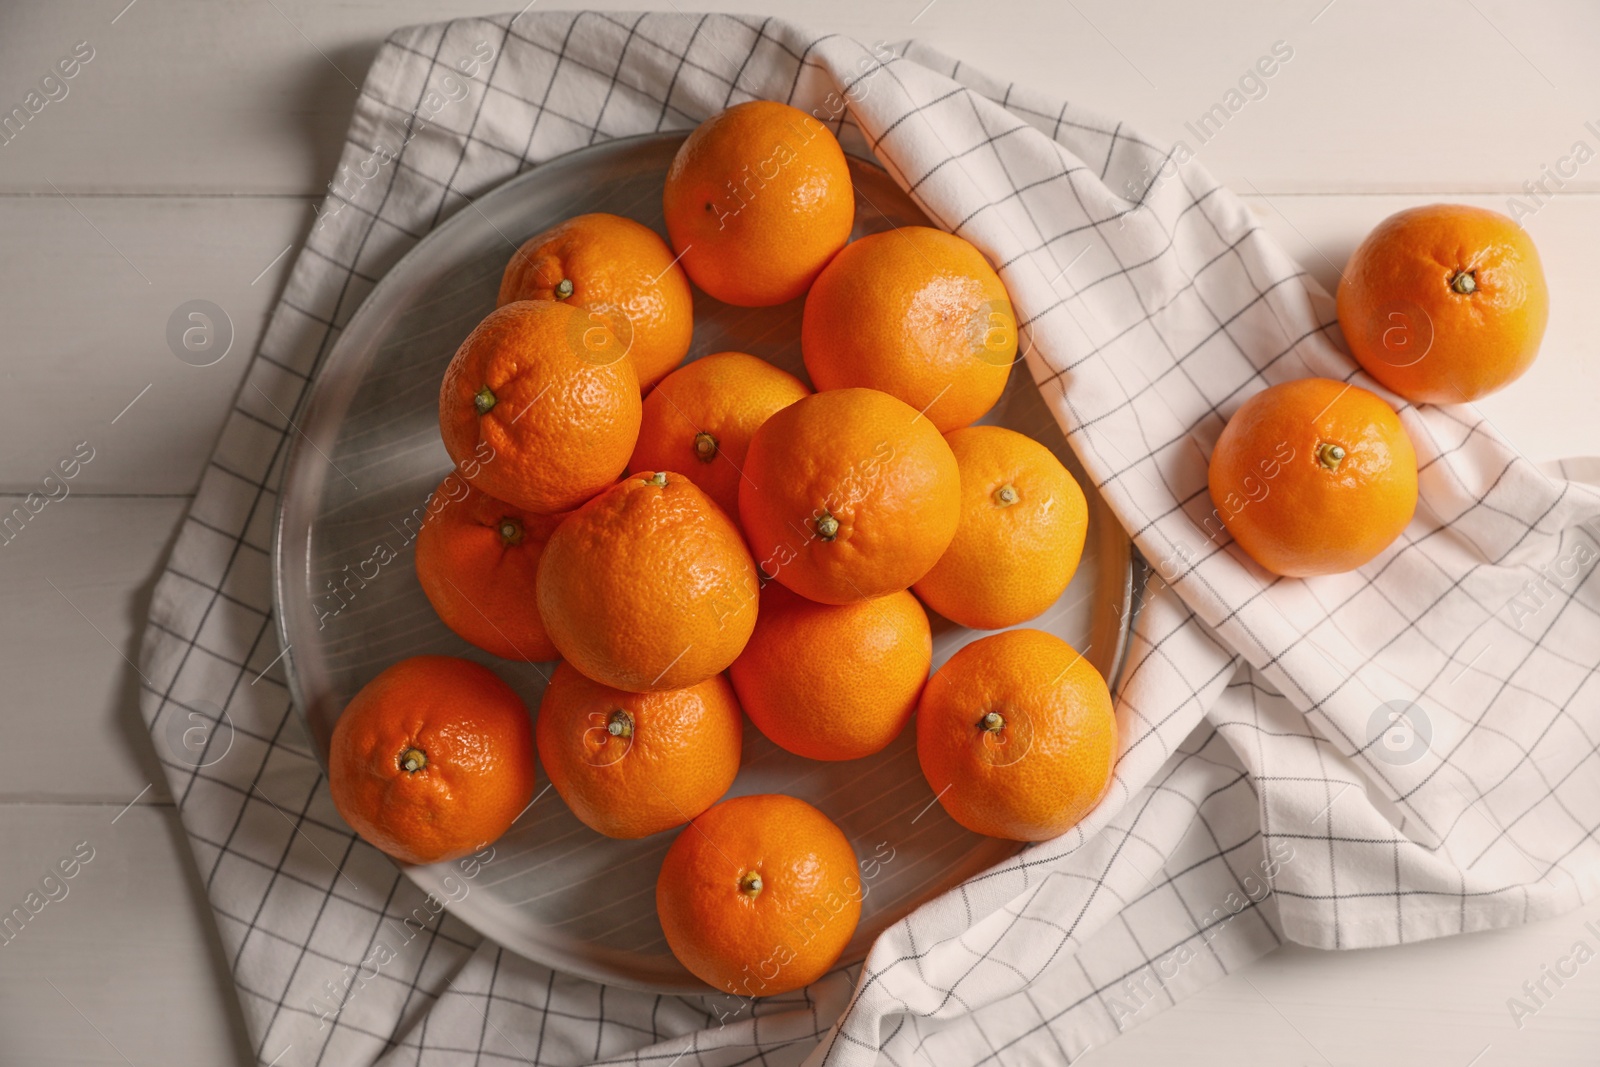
<point x="699" y="543"/>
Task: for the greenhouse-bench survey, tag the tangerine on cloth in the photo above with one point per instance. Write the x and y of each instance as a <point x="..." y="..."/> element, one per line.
<point x="1403" y="752"/>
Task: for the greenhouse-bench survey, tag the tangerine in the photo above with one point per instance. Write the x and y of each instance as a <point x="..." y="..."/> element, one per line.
<point x="634" y="764"/>
<point x="1444" y="304"/>
<point x="915" y="312"/>
<point x="848" y="495"/>
<point x="1016" y="735"/>
<point x="552" y="396"/>
<point x="833" y="682"/>
<point x="701" y="417"/>
<point x="757" y="200"/>
<point x="1314" y="476"/>
<point x="1021" y="534"/>
<point x="432" y="759"/>
<point x="648" y="586"/>
<point x="623" y="273"/>
<point x="759" y="895"/>
<point x="477" y="561"/>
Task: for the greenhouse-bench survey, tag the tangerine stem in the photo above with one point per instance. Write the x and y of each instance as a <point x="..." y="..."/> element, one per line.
<point x="413" y="760"/>
<point x="1330" y="456"/>
<point x="484" y="401"/>
<point x="1465" y="283"/>
<point x="827" y="527"/>
<point x="563" y="288"/>
<point x="1006" y="495"/>
<point x="620" y="724"/>
<point x="992" y="723"/>
<point x="705" y="447"/>
<point x="510" y="531"/>
<point x="659" y="478"/>
<point x="750" y="883"/>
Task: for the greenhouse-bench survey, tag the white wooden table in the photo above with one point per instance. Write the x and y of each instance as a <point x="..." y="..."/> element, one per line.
<point x="182" y="163"/>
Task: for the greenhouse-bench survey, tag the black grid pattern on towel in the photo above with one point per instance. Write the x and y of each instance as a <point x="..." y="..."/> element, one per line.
<point x="1251" y="803"/>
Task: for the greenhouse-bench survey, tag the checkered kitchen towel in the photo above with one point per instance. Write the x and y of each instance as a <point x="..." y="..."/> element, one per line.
<point x="1399" y="753"/>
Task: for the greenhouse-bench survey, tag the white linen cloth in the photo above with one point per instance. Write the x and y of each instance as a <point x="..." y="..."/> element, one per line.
<point x="1263" y="791"/>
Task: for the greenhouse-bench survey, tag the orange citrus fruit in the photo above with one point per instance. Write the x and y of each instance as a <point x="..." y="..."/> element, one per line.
<point x="623" y="273"/>
<point x="432" y="759"/>
<point x="1017" y="736"/>
<point x="1023" y="520"/>
<point x="701" y="417"/>
<point x="757" y="200"/>
<point x="833" y="682"/>
<point x="1444" y="304"/>
<point x="634" y="764"/>
<point x="918" y="313"/>
<point x="848" y="495"/>
<point x="1313" y="477"/>
<point x="477" y="560"/>
<point x="648" y="586"/>
<point x="759" y="895"/>
<point x="551" y="396"/>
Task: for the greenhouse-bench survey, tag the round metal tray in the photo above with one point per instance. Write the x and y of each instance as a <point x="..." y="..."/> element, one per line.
<point x="348" y="603"/>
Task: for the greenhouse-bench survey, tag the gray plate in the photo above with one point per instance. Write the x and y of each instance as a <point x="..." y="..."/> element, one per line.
<point x="556" y="891"/>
